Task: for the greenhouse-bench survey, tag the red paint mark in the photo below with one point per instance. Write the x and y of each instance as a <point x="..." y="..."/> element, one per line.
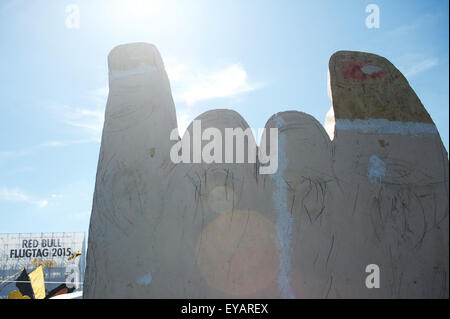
<point x="353" y="70"/>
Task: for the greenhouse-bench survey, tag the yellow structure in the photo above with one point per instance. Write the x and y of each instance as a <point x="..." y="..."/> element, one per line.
<point x="17" y="295"/>
<point x="37" y="282"/>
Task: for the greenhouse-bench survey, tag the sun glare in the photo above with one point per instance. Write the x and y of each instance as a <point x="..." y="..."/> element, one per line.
<point x="138" y="10"/>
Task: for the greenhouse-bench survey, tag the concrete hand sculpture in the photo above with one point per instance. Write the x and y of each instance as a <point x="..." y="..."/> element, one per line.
<point x="376" y="194"/>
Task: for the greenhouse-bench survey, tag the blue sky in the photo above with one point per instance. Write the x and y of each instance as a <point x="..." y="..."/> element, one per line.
<point x="256" y="57"/>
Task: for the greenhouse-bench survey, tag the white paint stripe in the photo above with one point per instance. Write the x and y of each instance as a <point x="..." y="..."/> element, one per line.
<point x="284" y="219"/>
<point x="383" y="126"/>
<point x="117" y="74"/>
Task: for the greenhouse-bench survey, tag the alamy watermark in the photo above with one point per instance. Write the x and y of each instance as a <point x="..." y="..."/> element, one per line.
<point x="373" y="19"/>
<point x="73" y="16"/>
<point x="373" y="279"/>
<point x="212" y="152"/>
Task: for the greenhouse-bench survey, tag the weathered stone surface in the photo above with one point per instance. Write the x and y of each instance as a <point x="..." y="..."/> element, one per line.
<point x="367" y="86"/>
<point x="392" y="172"/>
<point x="375" y="194"/>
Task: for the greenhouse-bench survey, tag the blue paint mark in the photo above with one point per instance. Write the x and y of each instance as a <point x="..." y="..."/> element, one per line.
<point x="376" y="170"/>
<point x="145" y="280"/>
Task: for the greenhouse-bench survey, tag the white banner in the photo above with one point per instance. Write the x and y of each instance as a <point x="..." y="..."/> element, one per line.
<point x="51" y="250"/>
